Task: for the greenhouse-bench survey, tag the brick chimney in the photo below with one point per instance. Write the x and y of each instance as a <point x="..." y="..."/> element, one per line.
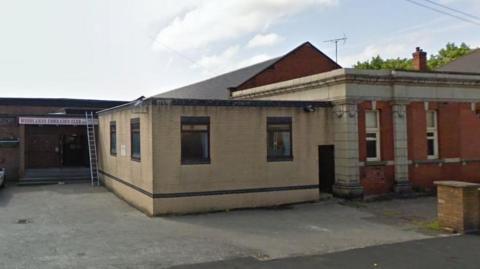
<point x="420" y="60"/>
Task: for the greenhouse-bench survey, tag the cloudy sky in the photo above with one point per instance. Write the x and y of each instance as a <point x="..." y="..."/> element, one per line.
<point x="122" y="49"/>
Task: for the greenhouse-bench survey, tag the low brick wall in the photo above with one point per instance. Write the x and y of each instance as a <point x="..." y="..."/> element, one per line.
<point x="458" y="206"/>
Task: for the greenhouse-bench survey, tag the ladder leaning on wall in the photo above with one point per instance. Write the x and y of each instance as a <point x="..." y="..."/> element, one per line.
<point x="92" y="148"/>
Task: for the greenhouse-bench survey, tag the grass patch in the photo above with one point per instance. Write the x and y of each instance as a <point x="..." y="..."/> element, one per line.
<point x="428" y="225"/>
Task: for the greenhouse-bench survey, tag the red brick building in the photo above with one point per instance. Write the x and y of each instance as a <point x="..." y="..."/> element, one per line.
<point x="394" y="130"/>
<point x="45" y="134"/>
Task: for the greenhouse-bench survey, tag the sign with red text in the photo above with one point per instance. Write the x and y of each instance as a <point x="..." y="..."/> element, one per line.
<point x="52" y="121"/>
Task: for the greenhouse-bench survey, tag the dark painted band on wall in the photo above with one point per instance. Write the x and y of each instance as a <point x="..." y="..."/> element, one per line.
<point x="211" y="193"/>
<point x="149" y="194"/>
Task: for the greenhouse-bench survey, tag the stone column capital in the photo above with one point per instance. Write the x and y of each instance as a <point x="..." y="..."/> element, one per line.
<point x="349" y="109"/>
<point x="399" y="110"/>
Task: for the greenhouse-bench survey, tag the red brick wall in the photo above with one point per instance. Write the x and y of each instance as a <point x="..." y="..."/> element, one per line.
<point x="10" y="157"/>
<point x="458" y="131"/>
<point x="377" y="179"/>
<point x="416" y="131"/>
<point x="458" y="135"/>
<point x="304" y="61"/>
<point x="469" y="128"/>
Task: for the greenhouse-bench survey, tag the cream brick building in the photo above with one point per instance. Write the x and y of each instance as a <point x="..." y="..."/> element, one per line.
<point x="283" y="130"/>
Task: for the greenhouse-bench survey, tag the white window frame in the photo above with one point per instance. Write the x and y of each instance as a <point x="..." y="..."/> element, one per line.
<point x="434" y="131"/>
<point x="375" y="131"/>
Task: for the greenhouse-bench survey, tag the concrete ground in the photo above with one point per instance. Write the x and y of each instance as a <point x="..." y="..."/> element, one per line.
<point x="440" y="253"/>
<point x="78" y="226"/>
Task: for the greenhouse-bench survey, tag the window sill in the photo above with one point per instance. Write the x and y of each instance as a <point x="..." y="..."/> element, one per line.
<point x="376" y="163"/>
<point x="136" y="159"/>
<point x="471" y="160"/>
<point x="279" y="159"/>
<point x="429" y="161"/>
<point x="195" y="162"/>
<point x="113" y="154"/>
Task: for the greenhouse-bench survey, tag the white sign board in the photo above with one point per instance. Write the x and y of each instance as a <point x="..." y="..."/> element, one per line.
<point x="123" y="150"/>
<point x="52" y="121"/>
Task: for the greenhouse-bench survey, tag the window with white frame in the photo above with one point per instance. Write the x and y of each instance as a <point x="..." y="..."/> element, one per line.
<point x="372" y="124"/>
<point x="432" y="134"/>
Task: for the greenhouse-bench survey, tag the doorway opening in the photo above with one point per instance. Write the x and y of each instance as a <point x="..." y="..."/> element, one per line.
<point x="74" y="152"/>
<point x="56" y="147"/>
<point x="326" y="167"/>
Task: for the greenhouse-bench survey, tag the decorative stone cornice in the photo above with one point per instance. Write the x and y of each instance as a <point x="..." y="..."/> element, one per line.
<point x="257" y="92"/>
<point x="362" y="77"/>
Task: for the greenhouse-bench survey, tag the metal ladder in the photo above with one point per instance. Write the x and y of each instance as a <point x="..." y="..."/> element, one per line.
<point x="92" y="148"/>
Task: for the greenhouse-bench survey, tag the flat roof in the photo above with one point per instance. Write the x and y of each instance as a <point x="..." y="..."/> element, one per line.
<point x="60" y="102"/>
<point x="224" y="103"/>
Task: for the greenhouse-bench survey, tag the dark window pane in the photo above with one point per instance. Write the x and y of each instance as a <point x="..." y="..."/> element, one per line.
<point x="113" y="143"/>
<point x="371" y="149"/>
<point x="190" y="127"/>
<point x="279" y="127"/>
<point x="136" y="145"/>
<point x="113" y="138"/>
<point x="135" y="138"/>
<point x="195" y="146"/>
<point x="431" y="147"/>
<point x="279" y="141"/>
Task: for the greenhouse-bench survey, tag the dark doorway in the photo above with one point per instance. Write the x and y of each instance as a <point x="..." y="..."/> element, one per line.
<point x="43" y="149"/>
<point x="326" y="167"/>
<point x="73" y="150"/>
<point x="56" y="146"/>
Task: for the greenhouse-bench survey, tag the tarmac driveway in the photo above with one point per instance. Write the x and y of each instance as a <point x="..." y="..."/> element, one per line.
<point x="77" y="226"/>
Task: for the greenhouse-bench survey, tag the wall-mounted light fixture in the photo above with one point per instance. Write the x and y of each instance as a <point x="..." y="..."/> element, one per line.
<point x="309" y="109"/>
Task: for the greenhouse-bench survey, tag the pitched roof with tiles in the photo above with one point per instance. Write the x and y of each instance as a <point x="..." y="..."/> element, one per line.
<point x="219" y="87"/>
<point x="469" y="63"/>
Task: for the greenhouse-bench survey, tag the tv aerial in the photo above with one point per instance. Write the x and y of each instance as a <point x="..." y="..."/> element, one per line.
<point x="336" y="41"/>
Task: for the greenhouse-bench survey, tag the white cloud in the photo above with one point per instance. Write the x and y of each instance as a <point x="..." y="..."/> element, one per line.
<point x="385" y="50"/>
<point x="218" y="20"/>
<point x="254" y="60"/>
<point x="218" y="63"/>
<point x="431" y="36"/>
<point x="228" y="60"/>
<point x="264" y="40"/>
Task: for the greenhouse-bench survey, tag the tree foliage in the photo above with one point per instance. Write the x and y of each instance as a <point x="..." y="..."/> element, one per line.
<point x="444" y="56"/>
<point x="380" y="63"/>
<point x="448" y="54"/>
